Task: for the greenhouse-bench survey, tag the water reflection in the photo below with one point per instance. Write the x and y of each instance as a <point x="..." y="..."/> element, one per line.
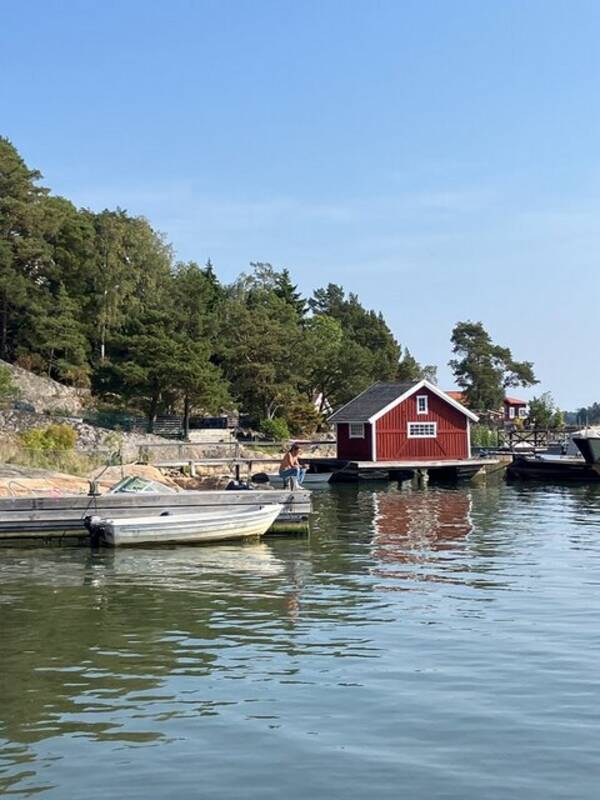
<point x="306" y="646"/>
<point x="421" y="535"/>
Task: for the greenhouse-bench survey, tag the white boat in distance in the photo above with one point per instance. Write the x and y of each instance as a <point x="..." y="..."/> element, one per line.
<point x="205" y="526"/>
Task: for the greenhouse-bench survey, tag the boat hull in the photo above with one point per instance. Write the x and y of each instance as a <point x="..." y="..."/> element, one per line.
<point x="185" y="528"/>
<point x="589" y="447"/>
<point x="41" y="518"/>
<point x="310" y="479"/>
<point x="560" y="470"/>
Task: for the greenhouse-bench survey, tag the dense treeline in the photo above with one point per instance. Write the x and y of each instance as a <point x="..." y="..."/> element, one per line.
<point x="98" y="300"/>
<point x="589" y="415"/>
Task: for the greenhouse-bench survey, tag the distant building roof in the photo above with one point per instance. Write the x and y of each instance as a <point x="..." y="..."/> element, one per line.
<point x="460" y="396"/>
<point x="372" y="400"/>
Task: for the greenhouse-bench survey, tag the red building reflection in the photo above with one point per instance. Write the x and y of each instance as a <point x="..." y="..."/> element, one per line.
<point x="414" y="529"/>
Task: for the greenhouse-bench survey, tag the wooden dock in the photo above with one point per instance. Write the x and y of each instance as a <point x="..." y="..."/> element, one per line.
<point x="345" y="470"/>
<point x="57" y="517"/>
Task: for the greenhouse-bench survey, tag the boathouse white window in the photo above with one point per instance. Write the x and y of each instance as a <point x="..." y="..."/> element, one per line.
<point x="422" y="430"/>
<point x="511" y="412"/>
<point x="422" y="404"/>
<point x="522" y="413"/>
<point x="357" y="430"/>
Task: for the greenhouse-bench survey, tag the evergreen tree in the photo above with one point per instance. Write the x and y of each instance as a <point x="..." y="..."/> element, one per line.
<point x="366" y="329"/>
<point x="24" y="252"/>
<point x="57" y="334"/>
<point x="409" y="369"/>
<point x="259" y="340"/>
<point x="483" y="369"/>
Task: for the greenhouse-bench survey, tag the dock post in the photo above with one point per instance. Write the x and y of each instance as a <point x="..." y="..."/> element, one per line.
<point x="192" y="469"/>
<point x="422" y="478"/>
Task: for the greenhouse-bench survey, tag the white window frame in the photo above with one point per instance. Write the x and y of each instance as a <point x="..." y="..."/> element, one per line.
<point x="511" y="412"/>
<point x="431" y="426"/>
<point x="426" y="399"/>
<point x="522" y="413"/>
<point x="361" y="430"/>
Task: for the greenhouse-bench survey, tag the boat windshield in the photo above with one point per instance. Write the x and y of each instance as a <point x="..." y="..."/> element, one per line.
<point x="134" y="484"/>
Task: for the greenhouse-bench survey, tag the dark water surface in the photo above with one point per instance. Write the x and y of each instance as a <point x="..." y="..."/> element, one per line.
<point x="420" y="644"/>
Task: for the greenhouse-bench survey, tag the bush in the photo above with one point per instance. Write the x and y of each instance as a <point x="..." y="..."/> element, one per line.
<point x="54" y="437"/>
<point x="8" y="388"/>
<point x="303" y="418"/>
<point x="53" y="448"/>
<point x="32" y="362"/>
<point x="275" y="429"/>
<point x="482" y="436"/>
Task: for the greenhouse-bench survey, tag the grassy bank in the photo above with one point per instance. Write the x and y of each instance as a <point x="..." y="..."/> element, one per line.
<point x="69" y="461"/>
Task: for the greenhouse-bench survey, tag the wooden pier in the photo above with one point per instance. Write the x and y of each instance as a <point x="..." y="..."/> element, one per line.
<point x="448" y="470"/>
<point x="57" y="517"/>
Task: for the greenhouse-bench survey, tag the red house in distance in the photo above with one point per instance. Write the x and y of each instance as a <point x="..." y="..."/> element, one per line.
<point x="403" y="422"/>
<point x="512" y="407"/>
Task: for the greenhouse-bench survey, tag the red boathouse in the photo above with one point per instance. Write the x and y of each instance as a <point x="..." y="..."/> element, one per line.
<point x="403" y="422"/>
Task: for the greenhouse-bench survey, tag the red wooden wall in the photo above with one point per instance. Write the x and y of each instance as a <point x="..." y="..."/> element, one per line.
<point x="353" y="449"/>
<point x="451" y="442"/>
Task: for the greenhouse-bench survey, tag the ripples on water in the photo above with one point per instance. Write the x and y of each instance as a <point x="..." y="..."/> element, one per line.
<point x="422" y="644"/>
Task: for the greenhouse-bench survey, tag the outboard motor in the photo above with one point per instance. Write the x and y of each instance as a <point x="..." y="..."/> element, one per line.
<point x="92" y="523"/>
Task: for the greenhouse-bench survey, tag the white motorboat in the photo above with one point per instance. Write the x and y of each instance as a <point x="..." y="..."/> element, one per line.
<point x="588" y="442"/>
<point x="202" y="526"/>
<point x="310" y="479"/>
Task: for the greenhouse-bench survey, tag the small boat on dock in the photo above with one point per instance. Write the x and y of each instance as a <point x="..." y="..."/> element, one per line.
<point x="310" y="479"/>
<point x="199" y="527"/>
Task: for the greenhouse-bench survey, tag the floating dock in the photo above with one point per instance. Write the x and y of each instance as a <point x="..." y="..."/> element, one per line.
<point x="462" y="469"/>
<point x="45" y="518"/>
<point x="559" y="469"/>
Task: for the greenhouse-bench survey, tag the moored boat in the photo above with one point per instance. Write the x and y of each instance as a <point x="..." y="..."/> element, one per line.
<point x="551" y="468"/>
<point x="207" y="526"/>
<point x="588" y="442"/>
<point x="310" y="479"/>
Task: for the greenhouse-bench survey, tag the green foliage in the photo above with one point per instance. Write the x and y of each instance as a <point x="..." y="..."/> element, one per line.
<point x="544" y="413"/>
<point x="55" y="437"/>
<point x="96" y="299"/>
<point x="587" y="415"/>
<point x="484" y="370"/>
<point x="259" y="345"/>
<point x="558" y="420"/>
<point x="8" y="389"/>
<point x="483" y="436"/>
<point x="409" y="369"/>
<point x="303" y="418"/>
<point x="275" y="429"/>
<point x="366" y="330"/>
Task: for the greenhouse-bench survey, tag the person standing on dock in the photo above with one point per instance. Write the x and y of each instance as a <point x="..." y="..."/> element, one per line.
<point x="291" y="468"/>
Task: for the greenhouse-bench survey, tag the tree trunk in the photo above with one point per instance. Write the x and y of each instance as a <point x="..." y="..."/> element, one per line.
<point x="322" y="401"/>
<point x="271" y="409"/>
<point x="186" y="417"/>
<point x="152" y="412"/>
<point x="4" y="334"/>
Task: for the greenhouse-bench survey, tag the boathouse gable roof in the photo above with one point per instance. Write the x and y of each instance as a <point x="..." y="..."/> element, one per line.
<point x="380" y="398"/>
<point x="369" y="402"/>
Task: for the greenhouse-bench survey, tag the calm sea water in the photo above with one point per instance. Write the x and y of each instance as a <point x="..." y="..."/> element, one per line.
<point x="439" y="643"/>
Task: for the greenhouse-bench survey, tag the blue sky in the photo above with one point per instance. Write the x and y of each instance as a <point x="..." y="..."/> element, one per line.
<point x="441" y="159"/>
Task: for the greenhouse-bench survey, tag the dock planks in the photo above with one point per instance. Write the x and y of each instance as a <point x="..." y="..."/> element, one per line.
<point x="21" y="517"/>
